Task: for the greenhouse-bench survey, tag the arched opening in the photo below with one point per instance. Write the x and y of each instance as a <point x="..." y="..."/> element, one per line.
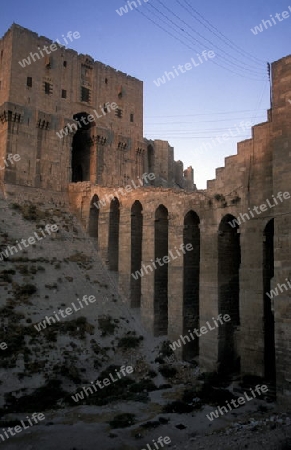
<point x="136" y="253"/>
<point x="77" y="173"/>
<point x="191" y="271"/>
<point x="93" y="218"/>
<point x="161" y="272"/>
<point x="81" y="148"/>
<point x="113" y="237"/>
<point x="229" y="259"/>
<point x="269" y="322"/>
<point x="151" y="161"/>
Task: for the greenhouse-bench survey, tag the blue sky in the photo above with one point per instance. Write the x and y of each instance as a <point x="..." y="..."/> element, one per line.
<point x="196" y="106"/>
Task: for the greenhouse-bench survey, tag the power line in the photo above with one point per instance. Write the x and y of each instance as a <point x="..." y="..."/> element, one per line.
<point x="202" y="130"/>
<point x="260" y="101"/>
<point x="200" y="121"/>
<point x="253" y="70"/>
<point x="220" y="35"/>
<point x="211" y="113"/>
<point x="191" y="48"/>
<point x="198" y="134"/>
<point x="196" y="137"/>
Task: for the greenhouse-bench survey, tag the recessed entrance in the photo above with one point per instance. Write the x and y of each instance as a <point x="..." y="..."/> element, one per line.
<point x="229" y="258"/>
<point x="191" y="270"/>
<point x="161" y="273"/>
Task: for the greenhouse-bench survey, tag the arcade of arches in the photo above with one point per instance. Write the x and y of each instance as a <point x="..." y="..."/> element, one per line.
<point x="191" y="289"/>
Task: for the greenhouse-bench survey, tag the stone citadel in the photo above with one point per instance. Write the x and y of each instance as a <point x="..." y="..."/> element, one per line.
<point x="237" y="257"/>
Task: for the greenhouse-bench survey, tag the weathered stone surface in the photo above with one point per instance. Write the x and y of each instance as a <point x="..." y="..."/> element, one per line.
<point x="237" y="265"/>
<point x="46" y="105"/>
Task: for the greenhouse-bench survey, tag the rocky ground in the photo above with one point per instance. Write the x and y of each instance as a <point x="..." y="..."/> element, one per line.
<point x="88" y="428"/>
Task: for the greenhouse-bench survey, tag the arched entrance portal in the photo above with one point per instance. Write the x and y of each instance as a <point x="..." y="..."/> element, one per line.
<point x="81" y="148"/>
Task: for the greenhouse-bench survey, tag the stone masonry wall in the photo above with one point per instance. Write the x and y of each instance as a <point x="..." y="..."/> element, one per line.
<point x="236" y="262"/>
<point x="42" y="98"/>
<point x="256" y="174"/>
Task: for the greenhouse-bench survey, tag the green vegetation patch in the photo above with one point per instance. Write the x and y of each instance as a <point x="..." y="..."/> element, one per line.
<point x="106" y="325"/>
<point x="123" y="420"/>
<point x="130" y="341"/>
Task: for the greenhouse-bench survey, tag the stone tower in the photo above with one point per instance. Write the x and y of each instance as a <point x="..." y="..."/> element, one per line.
<point x="72" y="119"/>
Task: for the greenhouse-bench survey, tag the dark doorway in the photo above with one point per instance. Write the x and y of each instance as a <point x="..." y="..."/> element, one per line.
<point x="77" y="171"/>
<point x="229" y="259"/>
<point x="161" y="273"/>
<point x="81" y="149"/>
<point x="151" y="162"/>
<point x="269" y="322"/>
<point x="136" y="253"/>
<point x="113" y="237"/>
<point x="93" y="218"/>
<point x="191" y="271"/>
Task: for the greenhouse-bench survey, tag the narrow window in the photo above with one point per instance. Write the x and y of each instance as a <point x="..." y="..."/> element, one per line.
<point x="48" y="62"/>
<point x="29" y="82"/>
<point x="106" y="80"/>
<point x="48" y="88"/>
<point x="131" y="117"/>
<point x="65" y="63"/>
<point x="118" y="113"/>
<point x="64" y="93"/>
<point x="85" y="94"/>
